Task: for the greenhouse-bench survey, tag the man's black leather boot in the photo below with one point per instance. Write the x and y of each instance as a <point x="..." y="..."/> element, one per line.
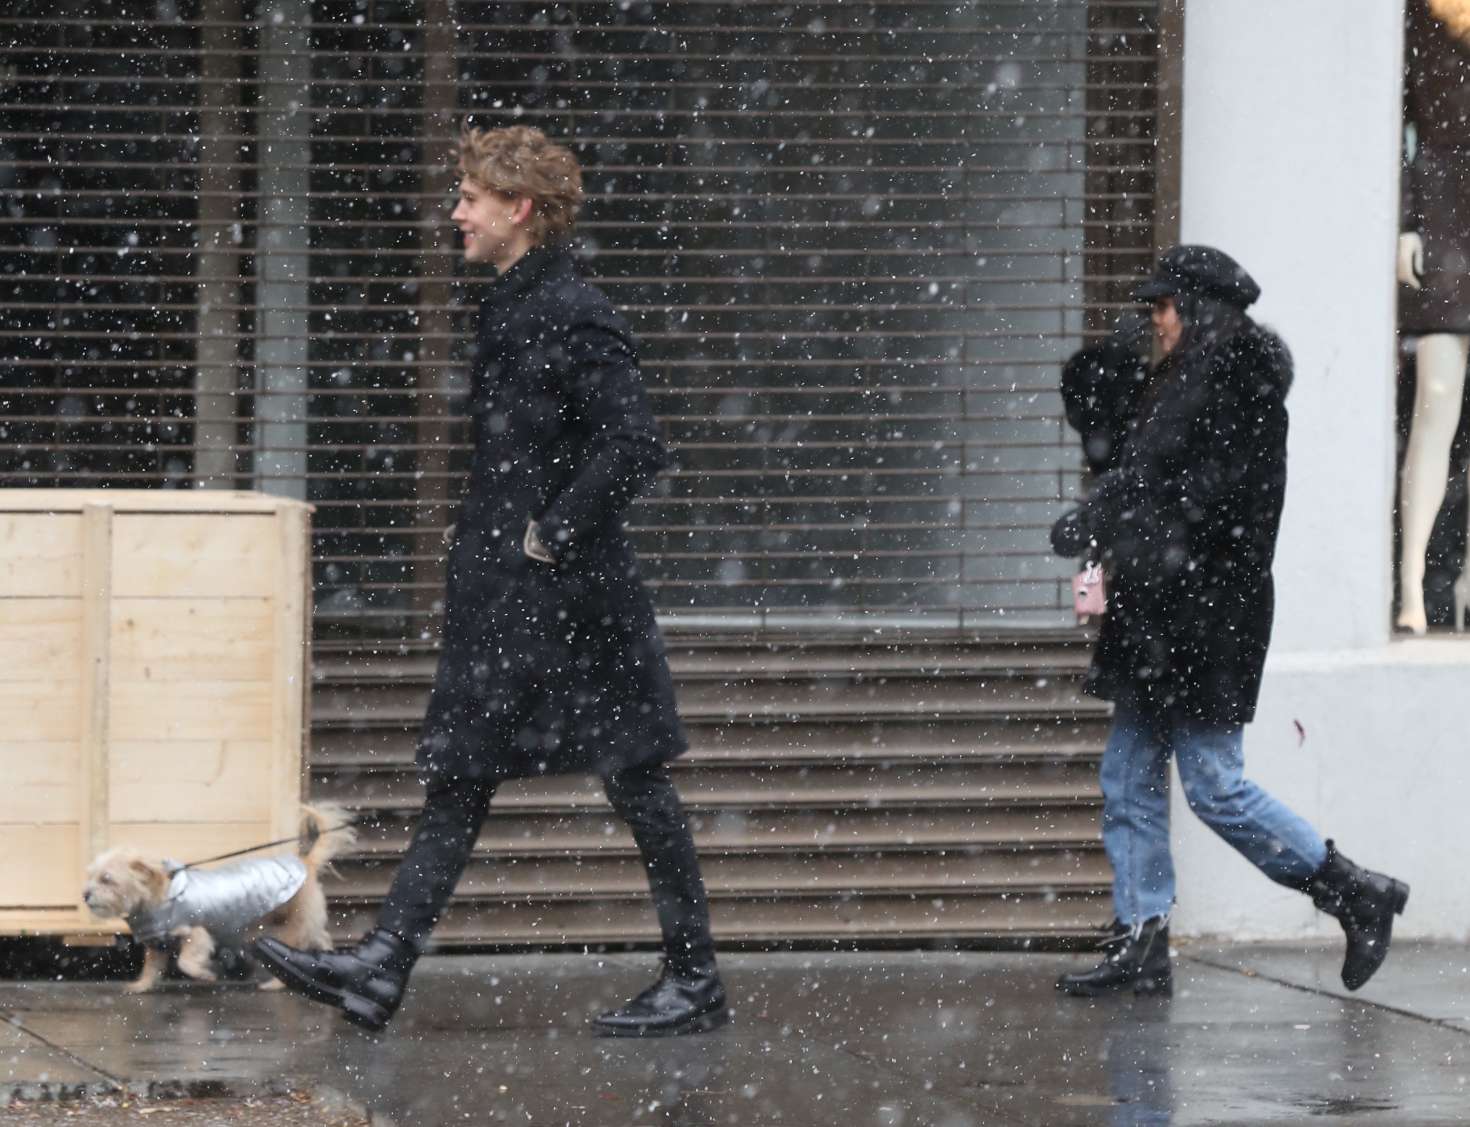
<point x="688" y="998"/>
<point x="1137" y="960"/>
<point x="365" y="983"/>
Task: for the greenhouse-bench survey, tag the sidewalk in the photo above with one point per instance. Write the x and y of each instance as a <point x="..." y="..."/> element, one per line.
<point x="1251" y="1036"/>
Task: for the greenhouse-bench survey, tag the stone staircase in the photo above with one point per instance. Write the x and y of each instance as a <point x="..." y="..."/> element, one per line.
<point x="849" y="792"/>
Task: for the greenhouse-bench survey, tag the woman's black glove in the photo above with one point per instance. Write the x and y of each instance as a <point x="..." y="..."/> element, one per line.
<point x="1070" y="536"/>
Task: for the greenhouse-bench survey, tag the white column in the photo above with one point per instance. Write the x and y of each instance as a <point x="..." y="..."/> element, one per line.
<point x="1291" y="137"/>
<point x="1290" y="163"/>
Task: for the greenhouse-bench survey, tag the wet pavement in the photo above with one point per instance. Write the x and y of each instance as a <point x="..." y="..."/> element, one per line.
<point x="116" y="1110"/>
<point x="1252" y="1035"/>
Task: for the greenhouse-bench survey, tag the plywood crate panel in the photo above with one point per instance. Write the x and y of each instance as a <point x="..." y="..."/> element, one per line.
<point x="153" y="677"/>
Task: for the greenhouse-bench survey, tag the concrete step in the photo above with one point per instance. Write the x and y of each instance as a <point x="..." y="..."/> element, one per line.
<point x="889" y="698"/>
<point x="691" y="660"/>
<point x="838" y="740"/>
<point x="710" y="785"/>
<point x="771" y="874"/>
<point x="881" y="917"/>
<point x="807" y="831"/>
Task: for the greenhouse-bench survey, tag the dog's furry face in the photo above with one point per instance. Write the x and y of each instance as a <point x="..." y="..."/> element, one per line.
<point x="122" y="881"/>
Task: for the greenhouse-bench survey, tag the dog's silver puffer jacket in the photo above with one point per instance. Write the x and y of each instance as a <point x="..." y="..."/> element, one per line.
<point x="225" y="902"/>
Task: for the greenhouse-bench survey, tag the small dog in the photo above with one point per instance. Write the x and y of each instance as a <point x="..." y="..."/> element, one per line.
<point x="167" y="904"/>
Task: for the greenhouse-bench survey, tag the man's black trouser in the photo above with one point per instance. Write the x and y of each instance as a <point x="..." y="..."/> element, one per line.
<point x="644" y="797"/>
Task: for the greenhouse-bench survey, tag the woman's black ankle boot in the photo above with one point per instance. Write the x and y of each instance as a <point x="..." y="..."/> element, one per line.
<point x="1365" y="903"/>
<point x="1137" y="960"/>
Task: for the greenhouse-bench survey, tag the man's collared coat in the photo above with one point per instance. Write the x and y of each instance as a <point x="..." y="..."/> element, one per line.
<point x="557" y="667"/>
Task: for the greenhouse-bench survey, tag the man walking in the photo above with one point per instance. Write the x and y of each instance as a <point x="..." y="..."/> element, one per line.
<point x="552" y="661"/>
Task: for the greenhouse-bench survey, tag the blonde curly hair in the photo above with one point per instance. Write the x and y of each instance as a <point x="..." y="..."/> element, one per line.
<point x="521" y="161"/>
<point x="1455" y="15"/>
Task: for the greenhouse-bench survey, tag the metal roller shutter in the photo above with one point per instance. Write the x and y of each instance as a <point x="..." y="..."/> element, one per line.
<point x="855" y="238"/>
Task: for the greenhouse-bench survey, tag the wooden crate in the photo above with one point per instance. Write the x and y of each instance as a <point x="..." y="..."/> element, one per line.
<point x="154" y="667"/>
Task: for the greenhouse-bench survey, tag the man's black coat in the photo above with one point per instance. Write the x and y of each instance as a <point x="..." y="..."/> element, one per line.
<point x="1186" y="526"/>
<point x="550" y="668"/>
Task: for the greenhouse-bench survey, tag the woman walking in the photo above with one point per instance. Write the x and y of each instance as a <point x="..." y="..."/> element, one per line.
<point x="1185" y="527"/>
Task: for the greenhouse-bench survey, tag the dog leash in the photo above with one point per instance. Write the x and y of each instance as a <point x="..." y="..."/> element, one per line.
<point x="266" y="845"/>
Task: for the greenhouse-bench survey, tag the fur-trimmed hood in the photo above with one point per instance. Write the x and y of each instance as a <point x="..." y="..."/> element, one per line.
<point x="1259" y="354"/>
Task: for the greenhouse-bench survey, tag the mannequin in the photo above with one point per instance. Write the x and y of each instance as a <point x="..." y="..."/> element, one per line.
<point x="1434" y="269"/>
<point x="1438" y="392"/>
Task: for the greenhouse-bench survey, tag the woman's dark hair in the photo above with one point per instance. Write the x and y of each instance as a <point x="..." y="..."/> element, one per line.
<point x="1207" y="321"/>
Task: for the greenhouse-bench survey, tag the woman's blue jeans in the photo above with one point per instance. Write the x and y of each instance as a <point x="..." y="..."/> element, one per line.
<point x="1211" y="762"/>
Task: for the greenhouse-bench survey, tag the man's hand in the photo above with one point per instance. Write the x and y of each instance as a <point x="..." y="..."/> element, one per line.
<point x="533" y="546"/>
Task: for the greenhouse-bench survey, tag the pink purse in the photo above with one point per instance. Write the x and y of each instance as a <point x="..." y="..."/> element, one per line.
<point x="1089" y="596"/>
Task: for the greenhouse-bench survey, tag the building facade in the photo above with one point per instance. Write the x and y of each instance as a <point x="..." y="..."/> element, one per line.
<point x="856" y="239"/>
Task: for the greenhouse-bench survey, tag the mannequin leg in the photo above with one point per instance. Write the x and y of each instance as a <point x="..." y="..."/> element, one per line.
<point x="1440" y="386"/>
